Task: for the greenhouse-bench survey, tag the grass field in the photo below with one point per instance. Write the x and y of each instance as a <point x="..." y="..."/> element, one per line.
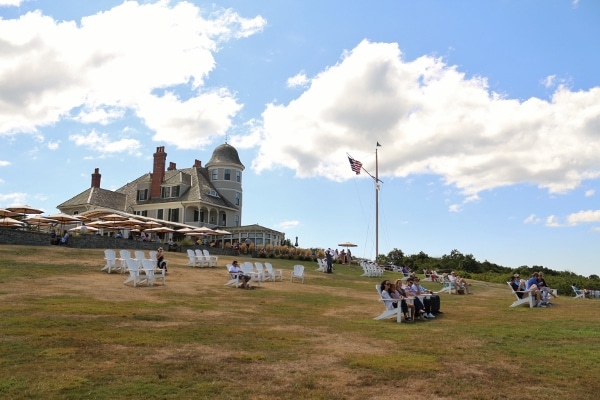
<point x="70" y="331"/>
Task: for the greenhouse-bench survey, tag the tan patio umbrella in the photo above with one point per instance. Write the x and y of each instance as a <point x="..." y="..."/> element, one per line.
<point x="7" y="213"/>
<point x="8" y="221"/>
<point x="24" y="209"/>
<point x="78" y="229"/>
<point x="222" y="232"/>
<point x="64" y="219"/>
<point x="160" y="229"/>
<point x="38" y="220"/>
<point x="205" y="230"/>
<point x="346" y="245"/>
<point x="185" y="230"/>
<point x="114" y="217"/>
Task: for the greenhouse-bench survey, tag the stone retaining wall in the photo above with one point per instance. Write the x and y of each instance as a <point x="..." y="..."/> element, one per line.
<point x="31" y="238"/>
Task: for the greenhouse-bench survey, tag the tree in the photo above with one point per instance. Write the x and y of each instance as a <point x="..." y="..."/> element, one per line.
<point x="396" y="257"/>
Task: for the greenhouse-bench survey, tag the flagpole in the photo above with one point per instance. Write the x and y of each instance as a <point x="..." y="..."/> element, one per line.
<point x="376" y="205"/>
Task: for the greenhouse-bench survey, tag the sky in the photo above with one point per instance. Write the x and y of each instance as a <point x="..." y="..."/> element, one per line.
<point x="487" y="113"/>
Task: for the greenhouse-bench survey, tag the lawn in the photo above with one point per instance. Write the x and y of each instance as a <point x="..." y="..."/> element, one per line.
<point x="70" y="331"/>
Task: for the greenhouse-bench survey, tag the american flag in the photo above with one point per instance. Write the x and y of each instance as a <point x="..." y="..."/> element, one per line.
<point x="355" y="165"/>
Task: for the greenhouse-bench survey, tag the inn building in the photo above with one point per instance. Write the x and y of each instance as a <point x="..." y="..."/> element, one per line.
<point x="197" y="196"/>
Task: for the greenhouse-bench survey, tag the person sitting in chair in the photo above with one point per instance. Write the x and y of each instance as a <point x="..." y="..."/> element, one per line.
<point x="160" y="260"/>
<point x="64" y="240"/>
<point x="236" y="271"/>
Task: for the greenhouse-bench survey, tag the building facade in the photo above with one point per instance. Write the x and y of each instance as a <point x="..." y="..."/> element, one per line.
<point x="210" y="196"/>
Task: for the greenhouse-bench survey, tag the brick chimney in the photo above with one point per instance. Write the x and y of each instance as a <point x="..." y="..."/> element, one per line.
<point x="197" y="164"/>
<point x="158" y="171"/>
<point x="96" y="178"/>
<point x="172" y="166"/>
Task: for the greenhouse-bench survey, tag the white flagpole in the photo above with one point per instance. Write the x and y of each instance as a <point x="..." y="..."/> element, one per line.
<point x="376" y="206"/>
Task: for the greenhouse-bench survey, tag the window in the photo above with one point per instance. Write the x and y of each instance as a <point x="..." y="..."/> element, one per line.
<point x="237" y="199"/>
<point x="173" y="214"/>
<point x="168" y="192"/>
<point x="224" y="220"/>
<point x="201" y="216"/>
<point x="142" y="213"/>
<point x="227" y="175"/>
<point x="238" y="176"/>
<point x="215" y="174"/>
<point x="159" y="214"/>
<point x="196" y="215"/>
<point x="142" y="195"/>
<point x="237" y="220"/>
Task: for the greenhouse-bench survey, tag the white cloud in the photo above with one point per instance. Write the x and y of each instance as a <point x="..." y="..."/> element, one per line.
<point x="552" y="221"/>
<point x="102" y="143"/>
<point x="298" y="80"/>
<point x="287" y="225"/>
<point x="590" y="193"/>
<point x="15" y="3"/>
<point x="4" y="163"/>
<point x="53" y="145"/>
<point x="12" y="199"/>
<point x="532" y="219"/>
<point x="128" y="59"/>
<point x="584" y="217"/>
<point x="431" y="119"/>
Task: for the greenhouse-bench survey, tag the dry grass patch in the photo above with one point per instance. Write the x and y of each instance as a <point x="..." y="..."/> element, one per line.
<point x="71" y="331"/>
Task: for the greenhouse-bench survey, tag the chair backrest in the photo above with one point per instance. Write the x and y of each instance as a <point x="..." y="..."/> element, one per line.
<point x="125" y="254"/>
<point x="139" y="255"/>
<point x="132" y="265"/>
<point x="247" y="267"/>
<point x="206" y="253"/>
<point x="259" y="267"/>
<point x="298" y="270"/>
<point x="153" y="254"/>
<point x="199" y="254"/>
<point x="110" y="254"/>
<point x="191" y="253"/>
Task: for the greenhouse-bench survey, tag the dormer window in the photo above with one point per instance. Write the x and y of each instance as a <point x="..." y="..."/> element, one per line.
<point x="142" y="195"/>
<point x="213" y="193"/>
<point x="169" y="192"/>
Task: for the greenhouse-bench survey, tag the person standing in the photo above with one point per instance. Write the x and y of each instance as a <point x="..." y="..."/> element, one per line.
<point x="329" y="258"/>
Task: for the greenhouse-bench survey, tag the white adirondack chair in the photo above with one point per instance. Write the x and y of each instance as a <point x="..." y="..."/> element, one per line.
<point x="152" y="274"/>
<point x="234" y="278"/>
<point x="272" y="273"/>
<point x="260" y="271"/>
<point x="124" y="255"/>
<point x="211" y="261"/>
<point x="200" y="259"/>
<point x="111" y="261"/>
<point x="526" y="297"/>
<point x="192" y="261"/>
<point x="248" y="269"/>
<point x="579" y="293"/>
<point x="298" y="273"/>
<point x="389" y="312"/>
<point x="322" y="265"/>
<point x="134" y="273"/>
<point x="139" y="256"/>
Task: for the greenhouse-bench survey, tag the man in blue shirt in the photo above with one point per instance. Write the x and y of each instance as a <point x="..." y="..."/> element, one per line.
<point x="532" y="286"/>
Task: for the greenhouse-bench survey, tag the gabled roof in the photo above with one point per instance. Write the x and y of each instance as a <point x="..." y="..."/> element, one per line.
<point x="97" y="197"/>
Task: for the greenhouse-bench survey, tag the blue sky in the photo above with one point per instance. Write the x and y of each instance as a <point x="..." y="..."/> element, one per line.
<point x="488" y="113"/>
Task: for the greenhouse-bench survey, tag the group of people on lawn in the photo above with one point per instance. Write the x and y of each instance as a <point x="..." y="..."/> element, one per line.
<point x="396" y="295"/>
<point x="537" y="287"/>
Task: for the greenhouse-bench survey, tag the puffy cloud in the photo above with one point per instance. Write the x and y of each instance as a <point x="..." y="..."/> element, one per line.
<point x="584" y="217"/>
<point x="431" y="118"/>
<point x="101" y="143"/>
<point x="134" y="58"/>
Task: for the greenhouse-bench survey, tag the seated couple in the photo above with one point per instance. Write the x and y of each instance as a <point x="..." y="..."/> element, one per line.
<point x="536" y="286"/>
<point x="402" y="293"/>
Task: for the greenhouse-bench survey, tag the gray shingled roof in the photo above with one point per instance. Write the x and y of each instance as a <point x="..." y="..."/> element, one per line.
<point x="226" y="154"/>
